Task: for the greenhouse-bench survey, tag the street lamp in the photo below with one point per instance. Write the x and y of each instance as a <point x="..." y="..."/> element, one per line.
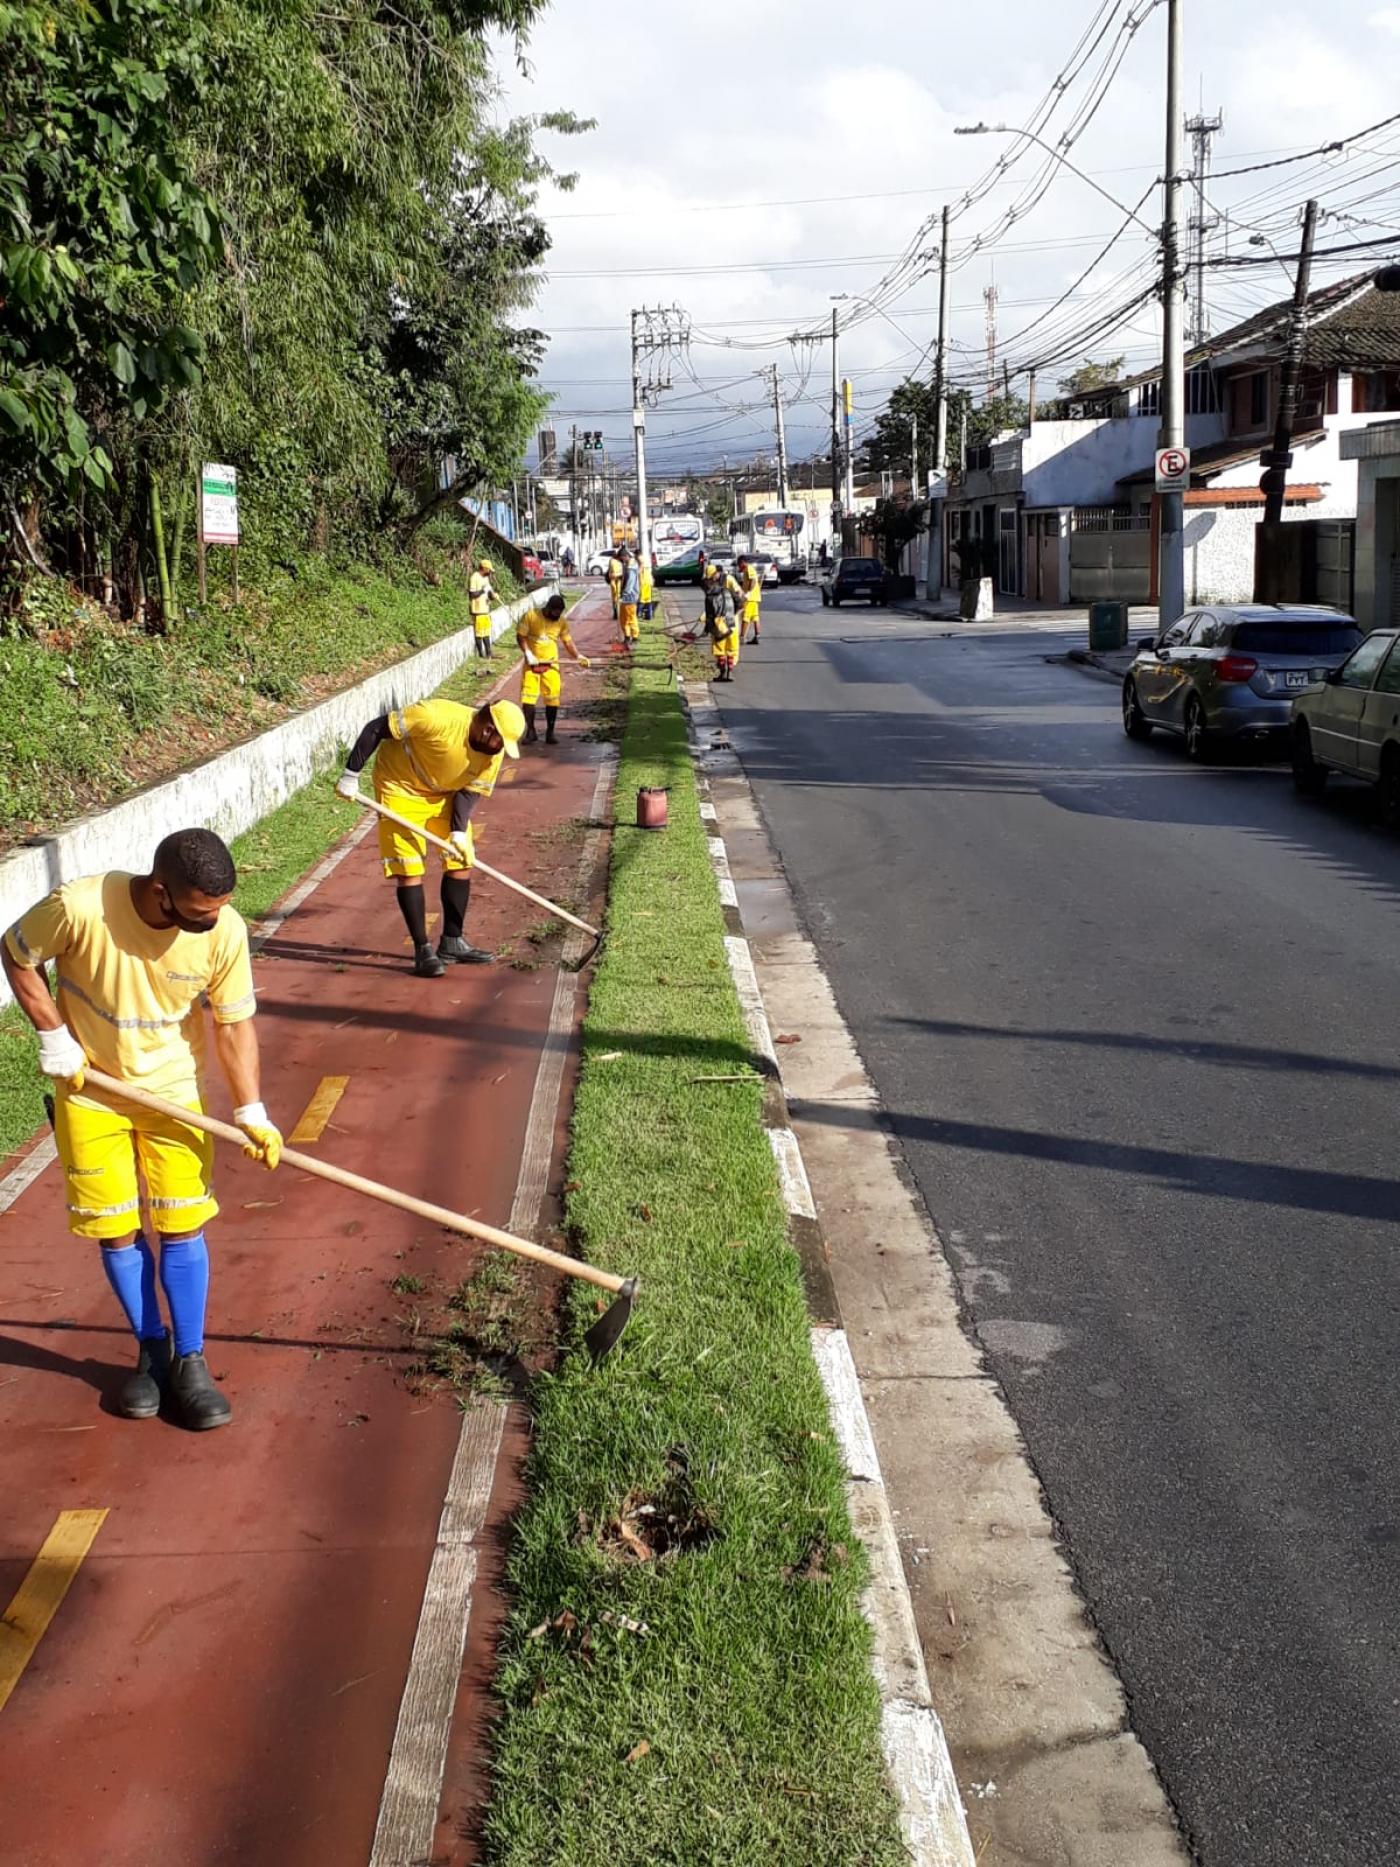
<point x="1007" y="129"/>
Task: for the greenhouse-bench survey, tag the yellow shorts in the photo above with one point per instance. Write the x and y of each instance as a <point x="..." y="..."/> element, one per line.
<point x="102" y="1149"/>
<point x="627" y="616"/>
<point x="403" y="853"/>
<point x="543" y="679"/>
<point x="750" y="610"/>
<point x="727" y="646"/>
<point x="482" y="624"/>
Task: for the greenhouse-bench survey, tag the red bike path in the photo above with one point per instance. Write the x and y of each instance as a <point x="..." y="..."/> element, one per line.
<point x="221" y="1682"/>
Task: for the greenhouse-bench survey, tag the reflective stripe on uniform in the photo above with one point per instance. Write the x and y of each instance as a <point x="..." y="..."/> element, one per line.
<point x="104" y="1212"/>
<point x="65" y="984"/>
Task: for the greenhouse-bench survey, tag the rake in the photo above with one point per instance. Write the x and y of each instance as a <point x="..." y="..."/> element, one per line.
<point x="507" y="881"/>
<point x="600" y="1339"/>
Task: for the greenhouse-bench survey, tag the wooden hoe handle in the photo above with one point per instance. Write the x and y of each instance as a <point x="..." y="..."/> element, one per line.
<point x="357" y="1183"/>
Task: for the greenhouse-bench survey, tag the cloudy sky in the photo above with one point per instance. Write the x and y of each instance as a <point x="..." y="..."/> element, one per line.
<point x="752" y="159"/>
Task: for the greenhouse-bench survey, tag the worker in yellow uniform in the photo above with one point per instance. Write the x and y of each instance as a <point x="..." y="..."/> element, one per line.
<point x="433" y="763"/>
<point x="629" y="596"/>
<point x="722" y="619"/>
<point x="541" y="633"/>
<point x="137" y="958"/>
<point x="647" y="591"/>
<point x="615" y="578"/>
<point x="750" y="596"/>
<point x="482" y="596"/>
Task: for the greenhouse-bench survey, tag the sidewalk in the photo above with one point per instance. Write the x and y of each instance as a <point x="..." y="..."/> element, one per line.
<point x="222" y="1681"/>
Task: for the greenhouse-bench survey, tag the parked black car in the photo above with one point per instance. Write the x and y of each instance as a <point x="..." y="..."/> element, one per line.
<point x="853" y="579"/>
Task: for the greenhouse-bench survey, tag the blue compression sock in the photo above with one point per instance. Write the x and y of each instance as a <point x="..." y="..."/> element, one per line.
<point x="131" y="1271"/>
<point x="184" y="1277"/>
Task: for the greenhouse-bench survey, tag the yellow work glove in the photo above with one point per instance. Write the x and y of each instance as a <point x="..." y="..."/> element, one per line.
<point x="462" y="846"/>
<point x="62" y="1057"/>
<point x="584" y="662"/>
<point x="264" y="1141"/>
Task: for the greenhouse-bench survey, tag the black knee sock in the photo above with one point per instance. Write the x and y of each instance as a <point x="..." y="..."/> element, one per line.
<point x="456" y="893"/>
<point x="414" y="913"/>
<point x="551" y="715"/>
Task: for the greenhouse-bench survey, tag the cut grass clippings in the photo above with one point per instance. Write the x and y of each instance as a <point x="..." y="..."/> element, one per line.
<point x="690" y="1486"/>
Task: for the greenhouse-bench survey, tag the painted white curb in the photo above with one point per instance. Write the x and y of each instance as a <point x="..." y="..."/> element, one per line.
<point x="917" y="1759"/>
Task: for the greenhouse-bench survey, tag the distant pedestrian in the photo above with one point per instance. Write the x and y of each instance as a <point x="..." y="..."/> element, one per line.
<point x="722" y="620"/>
<point x="751" y="591"/>
<point x="646" y="569"/>
<point x="568" y="562"/>
<point x="629" y="596"/>
<point x="615" y="578"/>
<point x="482" y="597"/>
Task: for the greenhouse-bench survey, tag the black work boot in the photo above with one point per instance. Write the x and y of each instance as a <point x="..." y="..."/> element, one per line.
<point x="200" y="1403"/>
<point x="454" y="948"/>
<point x="426" y="963"/>
<point x="530" y="733"/>
<point x="141" y="1391"/>
<point x="551" y="718"/>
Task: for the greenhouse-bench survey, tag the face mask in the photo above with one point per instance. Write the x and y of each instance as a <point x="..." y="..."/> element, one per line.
<point x="185" y="922"/>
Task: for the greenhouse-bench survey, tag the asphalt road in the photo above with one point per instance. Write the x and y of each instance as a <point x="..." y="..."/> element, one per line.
<point x="1135" y="1024"/>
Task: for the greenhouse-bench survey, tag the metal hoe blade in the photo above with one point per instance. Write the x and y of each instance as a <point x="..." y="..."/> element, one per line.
<point x="577" y="965"/>
<point x="602" y="1338"/>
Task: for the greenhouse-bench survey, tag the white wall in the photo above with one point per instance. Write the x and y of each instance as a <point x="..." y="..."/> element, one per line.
<point x="1079" y="463"/>
<point x="238" y="788"/>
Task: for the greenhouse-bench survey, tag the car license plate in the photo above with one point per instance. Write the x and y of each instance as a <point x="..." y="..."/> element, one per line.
<point x="1297" y="677"/>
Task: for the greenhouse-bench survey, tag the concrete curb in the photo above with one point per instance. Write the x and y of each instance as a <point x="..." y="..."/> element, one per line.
<point x="236" y="789"/>
<point x="920" y="1768"/>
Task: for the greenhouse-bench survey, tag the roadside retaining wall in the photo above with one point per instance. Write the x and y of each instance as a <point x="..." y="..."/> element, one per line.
<point x="235" y="789"/>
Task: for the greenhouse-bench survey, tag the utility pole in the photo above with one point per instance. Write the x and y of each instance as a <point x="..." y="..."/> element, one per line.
<point x="913" y="456"/>
<point x="991" y="295"/>
<point x="639" y="437"/>
<point x="1200" y="129"/>
<point x="940" y="367"/>
<point x="1171" y="546"/>
<point x="579" y="551"/>
<point x="772" y="373"/>
<point x="848" y="450"/>
<point x="1279" y="458"/>
<point x="835" y="443"/>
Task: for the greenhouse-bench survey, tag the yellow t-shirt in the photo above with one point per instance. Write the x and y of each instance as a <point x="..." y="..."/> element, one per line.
<point x="542" y="637"/>
<point x="645" y="583"/>
<point x="132" y="994"/>
<point x="614" y="570"/>
<point x="427" y="752"/>
<point x="753" y="585"/>
<point x="479" y="593"/>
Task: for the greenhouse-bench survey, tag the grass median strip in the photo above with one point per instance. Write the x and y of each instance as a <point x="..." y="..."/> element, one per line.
<point x="685" y="1676"/>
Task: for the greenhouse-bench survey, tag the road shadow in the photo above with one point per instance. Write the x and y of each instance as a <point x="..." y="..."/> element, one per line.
<point x="1211" y="1176"/>
<point x="1249" y="1057"/>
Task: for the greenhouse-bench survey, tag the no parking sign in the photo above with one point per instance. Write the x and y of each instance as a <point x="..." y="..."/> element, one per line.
<point x="1173" y="469"/>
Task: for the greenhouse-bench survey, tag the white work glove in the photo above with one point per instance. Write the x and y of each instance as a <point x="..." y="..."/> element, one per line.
<point x="584" y="662"/>
<point x="62" y="1057"/>
<point x="347" y="785"/>
<point x="264" y="1140"/>
<point x="530" y="660"/>
<point x="462" y="846"/>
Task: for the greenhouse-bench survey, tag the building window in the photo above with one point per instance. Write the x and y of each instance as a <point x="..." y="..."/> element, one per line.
<point x="1249" y="403"/>
<point x="1150" y="399"/>
<point x="1200" y="392"/>
<point x="1375" y="392"/>
<point x="1259" y="399"/>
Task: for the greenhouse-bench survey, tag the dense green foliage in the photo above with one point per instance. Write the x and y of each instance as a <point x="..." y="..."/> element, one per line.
<point x="91" y="708"/>
<point x="260" y="232"/>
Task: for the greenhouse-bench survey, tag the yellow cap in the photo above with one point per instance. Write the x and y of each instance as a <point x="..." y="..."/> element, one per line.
<point x="484" y="564"/>
<point x="509" y="722"/>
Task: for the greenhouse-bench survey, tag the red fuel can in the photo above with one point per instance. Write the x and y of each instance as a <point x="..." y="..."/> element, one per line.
<point x="651" y="807"/>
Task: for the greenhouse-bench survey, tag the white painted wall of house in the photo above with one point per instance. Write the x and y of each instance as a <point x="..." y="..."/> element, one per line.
<point x="239" y="787"/>
<point x="1079" y="463"/>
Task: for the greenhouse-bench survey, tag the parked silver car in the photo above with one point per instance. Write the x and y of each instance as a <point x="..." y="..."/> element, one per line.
<point x="1230" y="671"/>
<point x="1351" y="723"/>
